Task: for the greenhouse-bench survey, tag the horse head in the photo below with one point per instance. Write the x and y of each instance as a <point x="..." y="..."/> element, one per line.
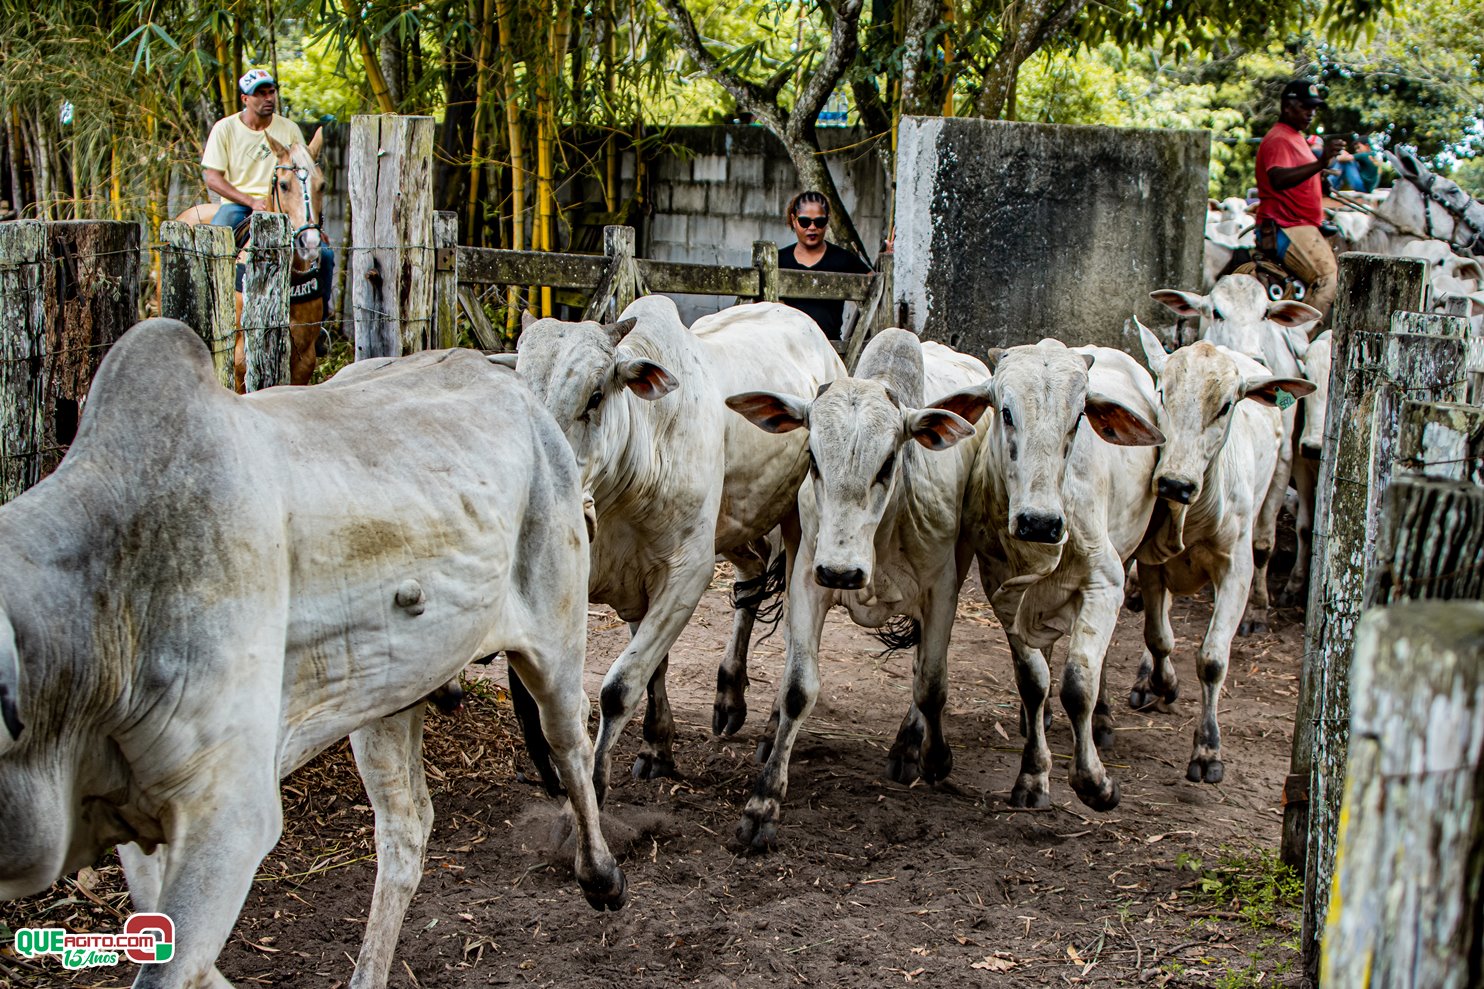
<point x="1432" y="206"/>
<point x="299" y="192"/>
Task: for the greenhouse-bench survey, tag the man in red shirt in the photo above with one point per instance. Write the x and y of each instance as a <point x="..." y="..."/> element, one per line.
<point x="1288" y="190"/>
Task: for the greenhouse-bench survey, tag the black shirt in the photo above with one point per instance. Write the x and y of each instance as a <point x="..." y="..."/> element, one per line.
<point x="828" y="313"/>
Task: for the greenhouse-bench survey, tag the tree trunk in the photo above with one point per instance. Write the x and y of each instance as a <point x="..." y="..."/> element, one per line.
<point x="393" y="66"/>
<point x="1028" y="26"/>
<point x="917" y="63"/>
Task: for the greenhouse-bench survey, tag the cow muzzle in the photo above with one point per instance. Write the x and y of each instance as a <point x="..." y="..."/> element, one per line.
<point x="1039" y="527"/>
<point x="1175" y="489"/>
<point x="848" y="578"/>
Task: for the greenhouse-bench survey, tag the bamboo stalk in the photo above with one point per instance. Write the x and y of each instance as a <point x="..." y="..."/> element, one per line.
<point x="224" y="75"/>
<point x="115" y="190"/>
<point x="948" y="19"/>
<point x="486" y="29"/>
<point x="517" y="150"/>
<point x="368" y="56"/>
<point x="610" y="88"/>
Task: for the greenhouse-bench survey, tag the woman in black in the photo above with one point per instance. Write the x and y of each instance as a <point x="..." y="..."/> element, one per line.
<point x="808" y="217"/>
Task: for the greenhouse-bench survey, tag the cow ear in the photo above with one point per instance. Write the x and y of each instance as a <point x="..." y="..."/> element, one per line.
<point x="503" y="360"/>
<point x="1154" y="351"/>
<point x="1212" y="204"/>
<point x="1186" y="304"/>
<point x="1089" y="360"/>
<point x="968" y="403"/>
<point x="770" y="412"/>
<point x="646" y="379"/>
<point x="993" y="357"/>
<point x="1276" y="392"/>
<point x="1118" y="424"/>
<point x="526" y="319"/>
<point x="937" y="429"/>
<point x="1287" y="312"/>
<point x="317" y="144"/>
<point x="617" y="331"/>
<point x="279" y="151"/>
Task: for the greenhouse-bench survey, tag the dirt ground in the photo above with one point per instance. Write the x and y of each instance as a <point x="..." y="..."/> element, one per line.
<point x="874" y="884"/>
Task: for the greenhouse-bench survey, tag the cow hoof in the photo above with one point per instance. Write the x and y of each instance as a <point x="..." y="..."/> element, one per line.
<point x="611" y="893"/>
<point x="1102" y="734"/>
<point x="1134" y="601"/>
<point x="727" y="718"/>
<point x="1144" y="697"/>
<point x="937" y="764"/>
<point x="1030" y="792"/>
<point x="756" y="834"/>
<point x="1205" y="771"/>
<point x="1293" y="597"/>
<point x="902" y="765"/>
<point x="653" y="766"/>
<point x="1254" y="626"/>
<point x="1099" y="798"/>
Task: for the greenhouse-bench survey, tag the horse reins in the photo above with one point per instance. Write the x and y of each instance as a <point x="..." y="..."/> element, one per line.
<point x="1460" y="217"/>
<point x="310" y="223"/>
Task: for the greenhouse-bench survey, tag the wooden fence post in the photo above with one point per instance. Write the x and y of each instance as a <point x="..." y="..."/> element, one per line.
<point x="391" y="252"/>
<point x="197" y="264"/>
<point x="765" y="260"/>
<point x="1371" y="288"/>
<point x="1431" y="543"/>
<point x="1409" y="878"/>
<point x="619" y="282"/>
<point x="874" y="315"/>
<point x="24" y="253"/>
<point x="265" y="302"/>
<point x="444" y="330"/>
<point x="92" y="299"/>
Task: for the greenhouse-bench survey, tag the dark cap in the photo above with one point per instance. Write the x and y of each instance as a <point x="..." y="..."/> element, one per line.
<point x="1306" y="91"/>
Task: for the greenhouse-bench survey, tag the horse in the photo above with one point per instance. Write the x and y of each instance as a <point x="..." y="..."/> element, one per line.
<point x="298" y="192"/>
<point x="1421" y="206"/>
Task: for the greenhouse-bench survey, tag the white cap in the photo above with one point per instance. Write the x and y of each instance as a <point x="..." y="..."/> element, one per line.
<point x="252" y="79"/>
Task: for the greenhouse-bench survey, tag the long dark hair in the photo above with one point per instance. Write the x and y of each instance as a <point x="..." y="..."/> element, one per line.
<point x="807" y="196"/>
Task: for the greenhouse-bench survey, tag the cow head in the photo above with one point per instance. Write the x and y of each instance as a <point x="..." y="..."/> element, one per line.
<point x="1316" y="369"/>
<point x="581" y="373"/>
<point x="1239" y="315"/>
<point x="1040" y="395"/>
<point x="862" y="436"/>
<point x="1199" y="387"/>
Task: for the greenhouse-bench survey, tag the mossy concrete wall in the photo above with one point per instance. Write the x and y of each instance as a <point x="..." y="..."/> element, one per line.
<point x="1010" y="232"/>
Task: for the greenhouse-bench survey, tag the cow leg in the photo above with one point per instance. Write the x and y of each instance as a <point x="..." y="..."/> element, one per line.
<point x="657" y="755"/>
<point x="1081" y="675"/>
<point x="1231" y="591"/>
<point x="920" y="750"/>
<point x="1264" y="535"/>
<point x="1102" y="715"/>
<point x="389" y="757"/>
<point x="557" y="688"/>
<point x="145" y="874"/>
<point x="631" y="673"/>
<point x="1295" y="593"/>
<point x="216" y="839"/>
<point x="757" y="831"/>
<point x="1033" y="678"/>
<point x="759" y="577"/>
<point x="1156" y="684"/>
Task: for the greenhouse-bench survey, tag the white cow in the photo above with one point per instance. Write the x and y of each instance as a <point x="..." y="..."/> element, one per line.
<point x="1054" y="510"/>
<point x="880" y="517"/>
<point x="212" y="588"/>
<point x="1317" y="360"/>
<point x="1214" y="471"/>
<point x="1229" y="228"/>
<point x="1238" y="315"/>
<point x="674" y="477"/>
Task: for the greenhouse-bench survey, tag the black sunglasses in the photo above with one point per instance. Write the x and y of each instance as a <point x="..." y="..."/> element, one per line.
<point x="812" y="221"/>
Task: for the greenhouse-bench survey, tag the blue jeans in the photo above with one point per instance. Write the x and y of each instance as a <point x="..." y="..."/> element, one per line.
<point x="233" y="214"/>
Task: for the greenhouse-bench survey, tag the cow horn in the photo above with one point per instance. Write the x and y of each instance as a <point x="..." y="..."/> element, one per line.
<point x="823" y="388"/>
<point x="10" y="685"/>
<point x="617" y="331"/>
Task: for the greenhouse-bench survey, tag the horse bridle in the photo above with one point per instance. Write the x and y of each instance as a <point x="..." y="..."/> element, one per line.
<point x="302" y="174"/>
<point x="1426" y="185"/>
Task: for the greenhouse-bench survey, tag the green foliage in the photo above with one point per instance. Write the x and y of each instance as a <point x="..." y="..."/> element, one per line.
<point x="1254" y="885"/>
<point x="317" y="82"/>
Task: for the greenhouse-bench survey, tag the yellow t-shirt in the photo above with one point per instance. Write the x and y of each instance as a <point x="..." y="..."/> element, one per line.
<point x="243" y="155"/>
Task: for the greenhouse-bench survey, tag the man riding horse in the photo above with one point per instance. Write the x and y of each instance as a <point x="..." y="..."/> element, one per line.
<point x="258" y="160"/>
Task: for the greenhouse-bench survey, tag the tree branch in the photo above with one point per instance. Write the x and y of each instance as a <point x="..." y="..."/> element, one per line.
<point x="749" y="96"/>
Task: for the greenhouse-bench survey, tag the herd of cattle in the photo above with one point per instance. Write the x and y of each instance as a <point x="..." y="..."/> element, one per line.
<point x="212" y="588"/>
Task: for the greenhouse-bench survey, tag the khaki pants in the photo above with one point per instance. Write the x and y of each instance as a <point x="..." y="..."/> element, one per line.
<point x="1309" y="256"/>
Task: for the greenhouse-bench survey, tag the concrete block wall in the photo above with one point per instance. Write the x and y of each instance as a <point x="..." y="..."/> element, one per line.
<point x="1010" y="232"/>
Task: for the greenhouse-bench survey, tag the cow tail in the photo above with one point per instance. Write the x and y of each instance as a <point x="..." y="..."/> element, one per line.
<point x="10" y="686"/>
<point x="537" y="748"/>
<point x="763" y="595"/>
<point x="901" y="632"/>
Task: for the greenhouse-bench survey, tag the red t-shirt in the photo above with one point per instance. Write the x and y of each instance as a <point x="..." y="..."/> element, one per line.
<point x="1297" y="206"/>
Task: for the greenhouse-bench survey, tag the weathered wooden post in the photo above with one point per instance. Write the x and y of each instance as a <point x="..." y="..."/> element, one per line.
<point x="196" y="286"/>
<point x="265" y="302"/>
<point x="619" y="283"/>
<point x="1371" y="288"/>
<point x="444" y="330"/>
<point x="24" y="254"/>
<point x="1431" y="543"/>
<point x="92" y="299"/>
<point x="391" y="232"/>
<point x="1443" y="439"/>
<point x="765" y="260"/>
<point x="876" y="314"/>
<point x="1409" y="875"/>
